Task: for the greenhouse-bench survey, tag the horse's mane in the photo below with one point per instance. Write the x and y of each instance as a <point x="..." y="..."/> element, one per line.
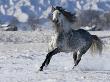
<point x="70" y="16"/>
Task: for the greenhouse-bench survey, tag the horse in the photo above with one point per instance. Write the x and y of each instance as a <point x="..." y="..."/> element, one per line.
<point x="67" y="39"/>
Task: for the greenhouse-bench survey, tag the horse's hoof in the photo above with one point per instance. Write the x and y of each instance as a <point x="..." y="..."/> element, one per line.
<point x="40" y="69"/>
<point x="73" y="67"/>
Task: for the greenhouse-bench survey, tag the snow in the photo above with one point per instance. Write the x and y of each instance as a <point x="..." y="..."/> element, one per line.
<point x="22" y="17"/>
<point x="21" y="65"/>
<point x="22" y="53"/>
<point x="20" y="61"/>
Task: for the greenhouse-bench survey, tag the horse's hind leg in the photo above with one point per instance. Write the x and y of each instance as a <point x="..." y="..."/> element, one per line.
<point x="48" y="57"/>
<point x="77" y="57"/>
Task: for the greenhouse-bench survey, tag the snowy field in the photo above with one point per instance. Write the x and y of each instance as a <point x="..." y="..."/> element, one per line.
<point x="22" y="53"/>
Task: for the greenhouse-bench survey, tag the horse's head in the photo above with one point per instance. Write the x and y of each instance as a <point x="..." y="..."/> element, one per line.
<point x="58" y="13"/>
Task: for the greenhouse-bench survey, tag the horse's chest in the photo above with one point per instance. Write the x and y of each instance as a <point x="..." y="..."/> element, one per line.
<point x="58" y="41"/>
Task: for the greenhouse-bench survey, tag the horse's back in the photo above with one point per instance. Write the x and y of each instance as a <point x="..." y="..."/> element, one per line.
<point x="81" y="34"/>
<point x="84" y="34"/>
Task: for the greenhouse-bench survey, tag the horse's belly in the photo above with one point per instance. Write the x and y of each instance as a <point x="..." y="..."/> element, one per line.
<point x="63" y="46"/>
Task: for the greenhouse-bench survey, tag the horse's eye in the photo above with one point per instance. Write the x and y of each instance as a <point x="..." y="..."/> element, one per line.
<point x="59" y="13"/>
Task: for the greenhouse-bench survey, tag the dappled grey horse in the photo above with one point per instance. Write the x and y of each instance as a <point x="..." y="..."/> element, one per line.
<point x="67" y="39"/>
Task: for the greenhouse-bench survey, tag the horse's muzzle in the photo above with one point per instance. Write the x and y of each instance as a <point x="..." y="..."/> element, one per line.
<point x="55" y="21"/>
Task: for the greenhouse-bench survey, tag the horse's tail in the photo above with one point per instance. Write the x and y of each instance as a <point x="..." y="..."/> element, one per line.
<point x="97" y="45"/>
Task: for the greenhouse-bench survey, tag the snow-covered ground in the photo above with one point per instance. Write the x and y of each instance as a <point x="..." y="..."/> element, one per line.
<point x="19" y="62"/>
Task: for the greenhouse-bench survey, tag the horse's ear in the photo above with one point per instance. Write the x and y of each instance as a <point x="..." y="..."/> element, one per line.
<point x="53" y="8"/>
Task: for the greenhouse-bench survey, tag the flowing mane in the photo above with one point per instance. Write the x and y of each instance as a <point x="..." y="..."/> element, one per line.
<point x="69" y="16"/>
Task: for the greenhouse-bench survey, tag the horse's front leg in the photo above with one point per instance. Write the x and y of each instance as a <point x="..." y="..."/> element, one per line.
<point x="48" y="58"/>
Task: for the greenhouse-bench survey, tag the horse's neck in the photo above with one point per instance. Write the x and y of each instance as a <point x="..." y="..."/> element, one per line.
<point x="66" y="25"/>
<point x="58" y="28"/>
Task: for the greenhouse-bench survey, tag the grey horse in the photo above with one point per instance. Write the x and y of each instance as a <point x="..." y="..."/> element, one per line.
<point x="67" y="39"/>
